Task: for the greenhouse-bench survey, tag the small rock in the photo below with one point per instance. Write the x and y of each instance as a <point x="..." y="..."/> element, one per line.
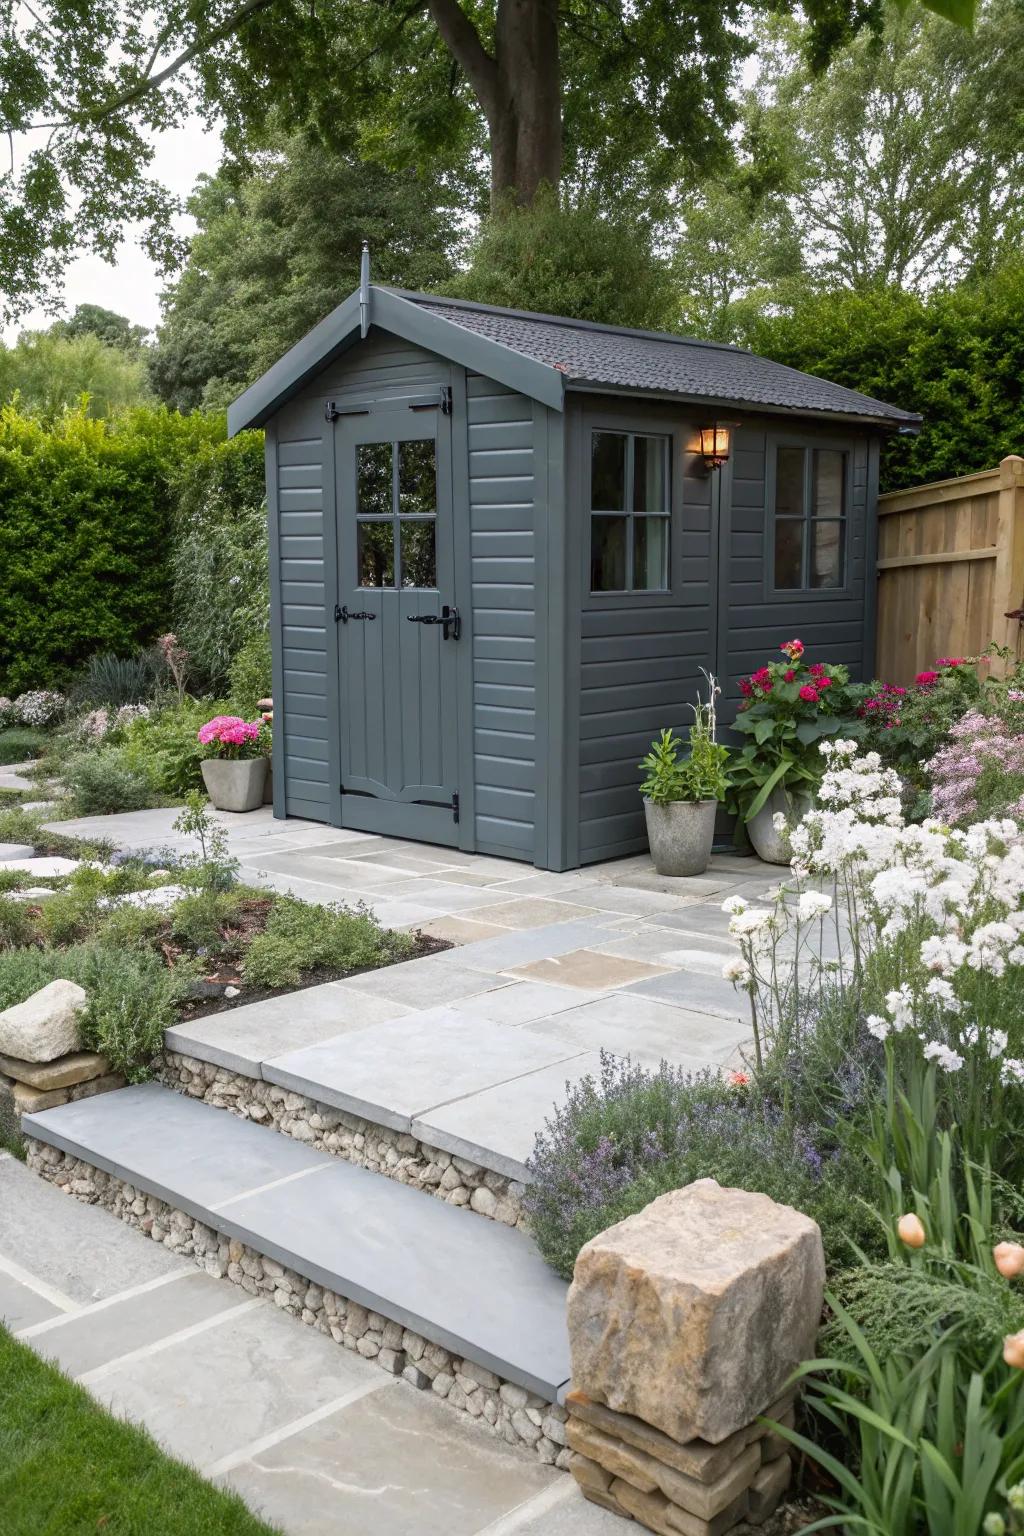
<point x="64" y="1072"/>
<point x="483" y="1201"/>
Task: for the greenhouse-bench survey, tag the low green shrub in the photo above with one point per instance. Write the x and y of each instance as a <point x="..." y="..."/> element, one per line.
<point x="165" y="747"/>
<point x="76" y="910"/>
<point x="20" y="742"/>
<point x="199" y="920"/>
<point x="107" y="781"/>
<point x="24" y="971"/>
<point x="109" y="681"/>
<point x="300" y="940"/>
<point x="16" y="926"/>
<point x="131" y="999"/>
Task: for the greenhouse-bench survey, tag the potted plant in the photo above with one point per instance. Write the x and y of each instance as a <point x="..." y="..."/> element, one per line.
<point x="788" y="707"/>
<point x="682" y="794"/>
<point x="234" y="765"/>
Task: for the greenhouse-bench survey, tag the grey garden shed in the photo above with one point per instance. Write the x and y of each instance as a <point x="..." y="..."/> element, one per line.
<point x="500" y="557"/>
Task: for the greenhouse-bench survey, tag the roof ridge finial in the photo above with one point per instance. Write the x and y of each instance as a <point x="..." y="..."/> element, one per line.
<point x="364" y="290"/>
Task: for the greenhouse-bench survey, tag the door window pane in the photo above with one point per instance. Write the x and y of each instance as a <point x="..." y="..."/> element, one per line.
<point x="419" y="567"/>
<point x="789" y="483"/>
<point x="650" y="554"/>
<point x="376" y="555"/>
<point x="417" y="478"/>
<point x="650" y="475"/>
<point x="789" y="552"/>
<point x="608" y="472"/>
<point x="607" y="554"/>
<point x="827" y="553"/>
<point x="828" y="483"/>
<point x="373" y="466"/>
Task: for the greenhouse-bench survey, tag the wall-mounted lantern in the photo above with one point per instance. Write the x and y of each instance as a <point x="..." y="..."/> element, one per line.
<point x="714" y="445"/>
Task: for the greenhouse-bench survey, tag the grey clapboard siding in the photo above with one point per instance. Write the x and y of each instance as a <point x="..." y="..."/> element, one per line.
<point x="503" y="548"/>
<point x="641" y="655"/>
<point x="756" y="620"/>
<point x="302" y="715"/>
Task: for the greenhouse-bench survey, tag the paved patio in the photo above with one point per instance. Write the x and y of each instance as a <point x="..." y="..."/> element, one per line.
<point x="468" y="1049"/>
<point x="313" y="1437"/>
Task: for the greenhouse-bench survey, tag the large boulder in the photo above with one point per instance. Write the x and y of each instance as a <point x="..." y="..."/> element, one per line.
<point x="692" y="1314"/>
<point x="45" y="1025"/>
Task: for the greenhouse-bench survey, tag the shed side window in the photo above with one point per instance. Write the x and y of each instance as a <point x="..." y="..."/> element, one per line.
<point x="630" y="503"/>
<point x="809" y="519"/>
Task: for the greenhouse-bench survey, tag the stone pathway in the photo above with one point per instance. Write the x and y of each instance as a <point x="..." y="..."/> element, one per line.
<point x="468" y="1049"/>
<point x="313" y="1437"/>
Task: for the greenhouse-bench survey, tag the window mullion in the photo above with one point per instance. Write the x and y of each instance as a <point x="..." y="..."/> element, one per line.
<point x="808" y="516"/>
<point x="628" y="509"/>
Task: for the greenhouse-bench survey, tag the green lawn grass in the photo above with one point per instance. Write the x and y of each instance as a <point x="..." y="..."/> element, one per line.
<point x="68" y="1468"/>
<point x="20" y="742"/>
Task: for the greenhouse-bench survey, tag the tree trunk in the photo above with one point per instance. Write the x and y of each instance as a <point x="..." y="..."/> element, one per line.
<point x="519" y="90"/>
<point x="526" y="131"/>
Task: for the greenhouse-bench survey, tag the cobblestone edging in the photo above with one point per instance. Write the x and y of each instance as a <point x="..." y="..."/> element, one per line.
<point x="519" y="1417"/>
<point x="395" y="1154"/>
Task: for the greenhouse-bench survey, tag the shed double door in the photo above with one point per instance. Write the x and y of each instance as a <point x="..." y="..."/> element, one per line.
<point x="397" y="624"/>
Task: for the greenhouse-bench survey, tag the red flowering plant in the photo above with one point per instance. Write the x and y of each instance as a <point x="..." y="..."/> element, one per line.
<point x="788" y="707"/>
<point x="907" y="724"/>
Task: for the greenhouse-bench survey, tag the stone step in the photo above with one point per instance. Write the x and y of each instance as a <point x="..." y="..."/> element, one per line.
<point x="475" y="1287"/>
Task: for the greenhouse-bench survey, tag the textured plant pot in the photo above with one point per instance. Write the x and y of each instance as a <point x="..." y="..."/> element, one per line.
<point x="771" y="846"/>
<point x="235" y="786"/>
<point x="680" y="835"/>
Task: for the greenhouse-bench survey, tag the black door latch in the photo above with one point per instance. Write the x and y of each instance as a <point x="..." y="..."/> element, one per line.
<point x="342" y="615"/>
<point x="448" y="618"/>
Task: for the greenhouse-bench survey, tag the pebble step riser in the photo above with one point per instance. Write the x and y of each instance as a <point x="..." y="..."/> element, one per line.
<point x="397" y="1155"/>
<point x="476" y="1288"/>
<point x="518" y="1416"/>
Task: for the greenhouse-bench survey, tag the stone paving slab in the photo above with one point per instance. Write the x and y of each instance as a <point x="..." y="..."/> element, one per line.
<point x="80" y="1342"/>
<point x="21" y="1306"/>
<point x="474" y="1286"/>
<point x="522" y="1002"/>
<point x="691" y="989"/>
<point x="589" y="969"/>
<point x="647" y="1031"/>
<point x="339" y="1475"/>
<point x="241" y="1039"/>
<point x="268" y="1370"/>
<point x="48" y="1234"/>
<point x="394" y="1072"/>
<point x="519" y="948"/>
<point x="423" y="983"/>
<point x="188" y="1154"/>
<point x="497" y="1126"/>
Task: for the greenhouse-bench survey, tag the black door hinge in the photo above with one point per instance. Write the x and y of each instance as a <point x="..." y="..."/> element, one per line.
<point x="446" y="399"/>
<point x="332" y="411"/>
<point x="455" y="807"/>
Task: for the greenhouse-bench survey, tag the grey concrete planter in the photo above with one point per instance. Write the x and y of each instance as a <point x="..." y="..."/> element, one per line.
<point x="771" y="846"/>
<point x="235" y="786"/>
<point x="680" y="835"/>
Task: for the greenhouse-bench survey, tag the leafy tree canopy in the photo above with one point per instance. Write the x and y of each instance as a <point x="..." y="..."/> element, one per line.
<point x="565" y="260"/>
<point x="622" y="98"/>
<point x="277" y="248"/>
<point x="50" y="372"/>
<point x="112" y="329"/>
<point x="956" y="356"/>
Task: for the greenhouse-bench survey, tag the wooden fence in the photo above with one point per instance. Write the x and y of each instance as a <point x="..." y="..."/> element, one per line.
<point x="950" y="569"/>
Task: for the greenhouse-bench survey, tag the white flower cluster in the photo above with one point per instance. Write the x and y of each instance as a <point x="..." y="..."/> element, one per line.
<point x="37" y="707"/>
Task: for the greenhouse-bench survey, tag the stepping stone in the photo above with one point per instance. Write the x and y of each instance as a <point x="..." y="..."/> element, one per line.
<point x="32" y="893"/>
<point x="474" y="1286"/>
<point x="41" y="866"/>
<point x="16" y="851"/>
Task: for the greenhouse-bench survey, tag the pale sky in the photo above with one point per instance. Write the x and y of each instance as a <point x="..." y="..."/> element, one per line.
<point x="132" y="287"/>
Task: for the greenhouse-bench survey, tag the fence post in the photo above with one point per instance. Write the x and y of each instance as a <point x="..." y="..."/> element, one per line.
<point x="1008" y="586"/>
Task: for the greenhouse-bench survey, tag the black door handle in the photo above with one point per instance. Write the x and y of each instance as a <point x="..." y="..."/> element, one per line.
<point x="448" y="618"/>
<point x="342" y="615"/>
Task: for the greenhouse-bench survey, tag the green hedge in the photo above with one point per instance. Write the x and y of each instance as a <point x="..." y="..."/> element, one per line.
<point x="89" y="517"/>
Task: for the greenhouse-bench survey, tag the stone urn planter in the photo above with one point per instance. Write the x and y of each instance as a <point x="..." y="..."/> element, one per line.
<point x="680" y="834"/>
<point x="235" y="784"/>
<point x="772" y="846"/>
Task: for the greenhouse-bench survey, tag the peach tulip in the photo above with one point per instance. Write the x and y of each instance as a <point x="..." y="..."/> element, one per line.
<point x="1009" y="1259"/>
<point x="911" y="1231"/>
<point x="1013" y="1350"/>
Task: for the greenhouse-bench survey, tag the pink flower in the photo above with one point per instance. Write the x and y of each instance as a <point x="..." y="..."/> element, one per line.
<point x="951" y="661"/>
<point x="794" y="649"/>
<point x="817" y="670"/>
<point x="926" y="679"/>
<point x="746" y="687"/>
<point x="809" y="694"/>
<point x="790" y="675"/>
<point x="824" y="682"/>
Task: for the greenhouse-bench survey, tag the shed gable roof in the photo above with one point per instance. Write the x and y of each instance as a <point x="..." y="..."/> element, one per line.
<point x="543" y="356"/>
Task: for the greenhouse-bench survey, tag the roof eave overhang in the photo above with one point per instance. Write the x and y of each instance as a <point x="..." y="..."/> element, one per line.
<point x="342" y="327"/>
<point x="907" y="423"/>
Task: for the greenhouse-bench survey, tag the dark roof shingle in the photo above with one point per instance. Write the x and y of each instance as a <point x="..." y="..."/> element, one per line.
<point x="657" y="363"/>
